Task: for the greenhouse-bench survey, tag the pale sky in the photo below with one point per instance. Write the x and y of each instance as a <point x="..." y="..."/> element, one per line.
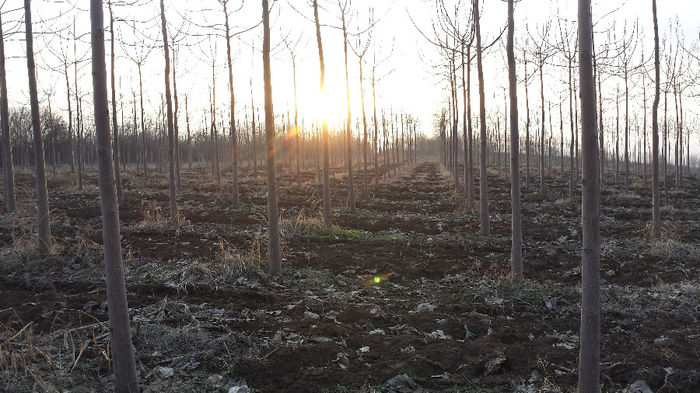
<point x="408" y="81"/>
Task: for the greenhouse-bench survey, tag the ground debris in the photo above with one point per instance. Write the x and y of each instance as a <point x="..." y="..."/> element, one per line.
<point x="402" y="384"/>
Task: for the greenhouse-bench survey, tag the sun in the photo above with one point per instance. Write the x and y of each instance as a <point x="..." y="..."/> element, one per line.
<point x="331" y="106"/>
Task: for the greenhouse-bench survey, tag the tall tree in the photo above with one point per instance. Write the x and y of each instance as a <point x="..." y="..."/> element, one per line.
<point x="656" y="200"/>
<point x="232" y="98"/>
<point x="516" y="261"/>
<point x="115" y="125"/>
<point x="589" y="352"/>
<point x="326" y="169"/>
<point x="483" y="181"/>
<point x="344" y="9"/>
<point x="42" y="194"/>
<point x="125" y="378"/>
<point x="273" y="243"/>
<point x="7" y="163"/>
<point x="169" y="115"/>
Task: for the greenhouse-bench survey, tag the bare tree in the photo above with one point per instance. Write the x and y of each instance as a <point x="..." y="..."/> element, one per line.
<point x="360" y="51"/>
<point x="42" y="194"/>
<point x="115" y="126"/>
<point x="326" y="169"/>
<point x="292" y="47"/>
<point x="483" y="181"/>
<point x="343" y="5"/>
<point x="234" y="143"/>
<point x="589" y="352"/>
<point x="7" y="163"/>
<point x="169" y="114"/>
<point x="125" y="378"/>
<point x="516" y="261"/>
<point x="273" y="243"/>
<point x="656" y="200"/>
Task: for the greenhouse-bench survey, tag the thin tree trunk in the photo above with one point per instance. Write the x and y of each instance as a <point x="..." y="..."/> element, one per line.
<point x="235" y="192"/>
<point x="176" y="128"/>
<point x="8" y="164"/>
<point x="483" y="181"/>
<point x="41" y="186"/>
<point x="527" y="127"/>
<point x="470" y="136"/>
<point x="627" y="131"/>
<point x="70" y="117"/>
<point x="326" y="169"/>
<point x="542" y="186"/>
<point x="296" y="134"/>
<point x="78" y="110"/>
<point x="376" y="134"/>
<point x="656" y="217"/>
<point x="348" y="131"/>
<point x="143" y="127"/>
<point x="602" y="133"/>
<point x="516" y="261"/>
<point x="169" y="114"/>
<point x="364" y="136"/>
<point x="189" y="136"/>
<point x="125" y="378"/>
<point x="589" y="353"/>
<point x="115" y="126"/>
<point x="273" y="244"/>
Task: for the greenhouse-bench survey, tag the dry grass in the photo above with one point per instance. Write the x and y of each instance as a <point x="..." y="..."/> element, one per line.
<point x="254" y="258"/>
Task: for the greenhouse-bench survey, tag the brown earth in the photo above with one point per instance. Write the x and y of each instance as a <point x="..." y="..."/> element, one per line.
<point x="442" y="313"/>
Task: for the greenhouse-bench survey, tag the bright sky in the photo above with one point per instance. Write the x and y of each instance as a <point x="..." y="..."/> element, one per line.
<point x="407" y="78"/>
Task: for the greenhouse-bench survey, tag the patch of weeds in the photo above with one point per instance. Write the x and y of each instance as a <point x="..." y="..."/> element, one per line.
<point x="626" y="196"/>
<point x="675" y="250"/>
<point x="563" y="201"/>
<point x="313" y="228"/>
<point x="254" y="258"/>
<point x="363" y="213"/>
<point x="152" y="216"/>
<point x="468" y="389"/>
<point x="342" y="389"/>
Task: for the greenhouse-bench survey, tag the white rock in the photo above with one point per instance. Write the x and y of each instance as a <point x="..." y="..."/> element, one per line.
<point x="639" y="386"/>
<point x="165" y="372"/>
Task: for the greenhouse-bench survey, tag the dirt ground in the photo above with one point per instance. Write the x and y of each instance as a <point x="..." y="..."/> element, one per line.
<point x="404" y="285"/>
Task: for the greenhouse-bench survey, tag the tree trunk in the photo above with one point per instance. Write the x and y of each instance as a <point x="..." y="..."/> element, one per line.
<point x="376" y="134"/>
<point x="235" y="193"/>
<point x="273" y="244"/>
<point x="527" y="127"/>
<point x="656" y="214"/>
<point x="364" y="136"/>
<point x="296" y="134"/>
<point x="143" y="127"/>
<point x="589" y="354"/>
<point x="516" y="261"/>
<point x="78" y="111"/>
<point x="627" y="131"/>
<point x="348" y="131"/>
<point x="7" y="163"/>
<point x="70" y="117"/>
<point x="326" y="169"/>
<point x="115" y="126"/>
<point x="571" y="124"/>
<point x="542" y="188"/>
<point x="41" y="187"/>
<point x="176" y="129"/>
<point x="470" y="142"/>
<point x="483" y="181"/>
<point x="169" y="114"/>
<point x="189" y="136"/>
<point x="125" y="378"/>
